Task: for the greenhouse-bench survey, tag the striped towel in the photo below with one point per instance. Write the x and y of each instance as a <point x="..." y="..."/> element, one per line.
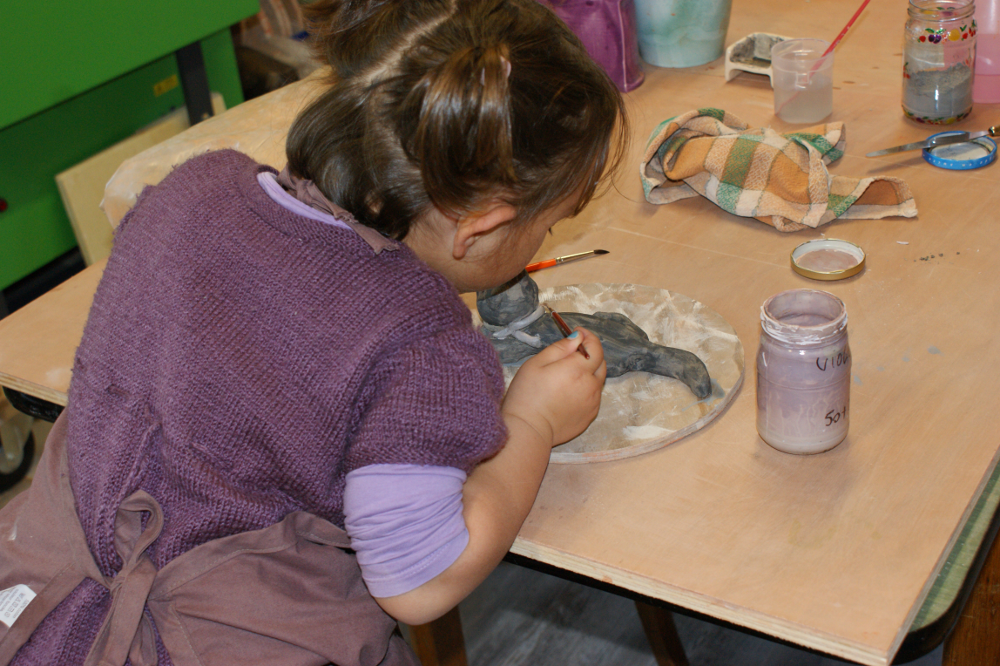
<point x="780" y="179"/>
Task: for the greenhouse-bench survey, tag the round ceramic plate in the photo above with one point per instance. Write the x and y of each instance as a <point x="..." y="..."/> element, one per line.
<point x="641" y="412"/>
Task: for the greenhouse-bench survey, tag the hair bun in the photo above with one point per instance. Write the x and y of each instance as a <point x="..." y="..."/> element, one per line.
<point x="463" y="103"/>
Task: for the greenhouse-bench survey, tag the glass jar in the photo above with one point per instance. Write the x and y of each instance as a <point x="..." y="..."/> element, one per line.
<point x="939" y="57"/>
<point x="803" y="371"/>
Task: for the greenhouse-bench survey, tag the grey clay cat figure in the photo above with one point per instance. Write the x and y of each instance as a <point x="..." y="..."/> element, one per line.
<point x="519" y="327"/>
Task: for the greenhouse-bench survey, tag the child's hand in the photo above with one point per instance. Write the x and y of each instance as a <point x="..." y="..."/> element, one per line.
<point x="558" y="392"/>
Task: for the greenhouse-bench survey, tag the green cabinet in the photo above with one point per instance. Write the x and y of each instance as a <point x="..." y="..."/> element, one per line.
<point x="88" y="76"/>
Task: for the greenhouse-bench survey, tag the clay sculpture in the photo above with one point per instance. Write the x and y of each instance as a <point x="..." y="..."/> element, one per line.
<point x="518" y="326"/>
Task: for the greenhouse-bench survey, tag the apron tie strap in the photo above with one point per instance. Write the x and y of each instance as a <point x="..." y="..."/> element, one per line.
<point x="126" y="631"/>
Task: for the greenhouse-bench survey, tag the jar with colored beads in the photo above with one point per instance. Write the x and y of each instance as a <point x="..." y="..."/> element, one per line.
<point x="939" y="57"/>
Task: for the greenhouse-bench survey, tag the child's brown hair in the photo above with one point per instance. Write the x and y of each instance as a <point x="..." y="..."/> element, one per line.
<point x="453" y="104"/>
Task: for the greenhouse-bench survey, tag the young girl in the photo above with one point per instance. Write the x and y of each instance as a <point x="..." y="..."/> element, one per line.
<point x="262" y="368"/>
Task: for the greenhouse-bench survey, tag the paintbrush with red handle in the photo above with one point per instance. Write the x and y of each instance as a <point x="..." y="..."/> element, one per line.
<point x="564" y="327"/>
<point x="561" y="260"/>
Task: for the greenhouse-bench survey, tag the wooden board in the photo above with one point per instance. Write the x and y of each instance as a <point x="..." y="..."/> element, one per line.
<point x="38" y="341"/>
<point x="82" y="185"/>
<point x="257" y="127"/>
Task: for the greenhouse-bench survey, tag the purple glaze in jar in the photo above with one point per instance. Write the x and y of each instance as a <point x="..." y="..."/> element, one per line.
<point x="803" y="371"/>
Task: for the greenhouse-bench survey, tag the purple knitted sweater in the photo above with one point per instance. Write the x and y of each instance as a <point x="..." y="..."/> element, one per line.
<point x="240" y="360"/>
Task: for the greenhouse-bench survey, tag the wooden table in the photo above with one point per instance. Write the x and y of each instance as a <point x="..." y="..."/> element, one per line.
<point x="836" y="551"/>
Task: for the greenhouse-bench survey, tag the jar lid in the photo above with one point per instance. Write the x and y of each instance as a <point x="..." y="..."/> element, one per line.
<point x="828" y="259"/>
<point x="962" y="156"/>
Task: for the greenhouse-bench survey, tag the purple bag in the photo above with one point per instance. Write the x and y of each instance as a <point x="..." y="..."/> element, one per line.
<point x="607" y="29"/>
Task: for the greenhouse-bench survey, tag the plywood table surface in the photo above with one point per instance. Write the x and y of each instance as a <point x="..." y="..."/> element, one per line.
<point x="834" y="551"/>
<point x="38" y="342"/>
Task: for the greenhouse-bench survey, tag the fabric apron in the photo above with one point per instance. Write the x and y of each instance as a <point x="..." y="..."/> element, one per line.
<point x="289" y="594"/>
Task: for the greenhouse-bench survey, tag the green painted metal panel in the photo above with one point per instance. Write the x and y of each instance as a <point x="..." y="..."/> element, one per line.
<point x="34" y="229"/>
<point x="53" y="50"/>
<point x="220" y="66"/>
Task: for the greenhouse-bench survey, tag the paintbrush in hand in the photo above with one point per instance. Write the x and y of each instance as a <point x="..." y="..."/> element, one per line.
<point x="564" y="327"/>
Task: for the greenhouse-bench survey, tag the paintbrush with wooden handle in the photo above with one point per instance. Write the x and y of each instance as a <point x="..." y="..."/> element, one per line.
<point x="561" y="260"/>
<point x="564" y="327"/>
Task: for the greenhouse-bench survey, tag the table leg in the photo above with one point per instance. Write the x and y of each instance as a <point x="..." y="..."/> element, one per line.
<point x="661" y="632"/>
<point x="440" y="643"/>
<point x="194" y="82"/>
<point x="976" y="637"/>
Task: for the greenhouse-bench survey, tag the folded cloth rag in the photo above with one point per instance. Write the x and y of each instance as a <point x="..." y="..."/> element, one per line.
<point x="780" y="179"/>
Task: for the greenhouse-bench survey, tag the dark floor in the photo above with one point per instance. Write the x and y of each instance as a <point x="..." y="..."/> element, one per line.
<point x="519" y="617"/>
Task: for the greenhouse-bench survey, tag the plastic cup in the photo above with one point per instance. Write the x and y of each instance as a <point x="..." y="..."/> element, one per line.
<point x="682" y="33"/>
<point x="802" y="79"/>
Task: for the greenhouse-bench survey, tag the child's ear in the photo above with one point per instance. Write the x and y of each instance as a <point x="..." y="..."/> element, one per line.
<point x="475" y="226"/>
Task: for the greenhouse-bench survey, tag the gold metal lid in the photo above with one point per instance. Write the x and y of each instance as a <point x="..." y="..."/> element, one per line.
<point x="828" y="259"/>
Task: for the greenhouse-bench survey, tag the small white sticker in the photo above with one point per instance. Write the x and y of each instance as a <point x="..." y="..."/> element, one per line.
<point x="13" y="601"/>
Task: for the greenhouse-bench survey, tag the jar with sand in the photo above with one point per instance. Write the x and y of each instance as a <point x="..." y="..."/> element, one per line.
<point x="939" y="57"/>
<point x="803" y="371"/>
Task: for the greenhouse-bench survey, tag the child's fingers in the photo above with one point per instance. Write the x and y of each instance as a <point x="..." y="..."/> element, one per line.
<point x="560" y="386"/>
<point x="595" y="350"/>
<point x="602" y="371"/>
<point x="569" y="349"/>
<point x="560" y="349"/>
